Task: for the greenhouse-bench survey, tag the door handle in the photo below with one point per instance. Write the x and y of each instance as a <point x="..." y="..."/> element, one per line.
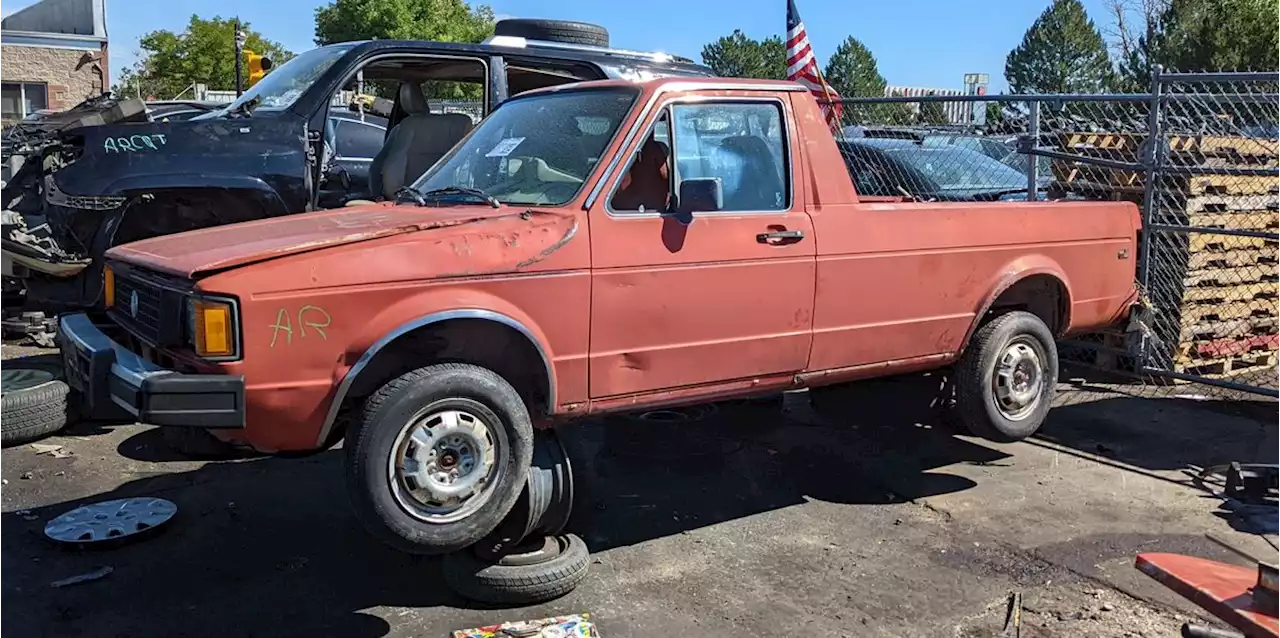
<point x="780" y="237"/>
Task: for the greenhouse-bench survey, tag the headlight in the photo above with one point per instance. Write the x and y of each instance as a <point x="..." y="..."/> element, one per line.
<point x="209" y="327"/>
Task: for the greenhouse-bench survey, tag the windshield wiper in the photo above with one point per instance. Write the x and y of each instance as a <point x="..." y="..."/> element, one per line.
<point x="408" y="193"/>
<point x="462" y="190"/>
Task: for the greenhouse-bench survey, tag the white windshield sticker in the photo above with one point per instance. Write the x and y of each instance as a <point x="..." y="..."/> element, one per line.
<point x="505" y="147"/>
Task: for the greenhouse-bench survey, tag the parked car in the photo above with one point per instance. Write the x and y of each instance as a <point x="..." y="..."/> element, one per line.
<point x="592" y="248"/>
<point x="896" y="167"/>
<point x="269" y="153"/>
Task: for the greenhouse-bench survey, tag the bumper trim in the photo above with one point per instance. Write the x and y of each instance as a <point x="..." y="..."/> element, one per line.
<point x="110" y="376"/>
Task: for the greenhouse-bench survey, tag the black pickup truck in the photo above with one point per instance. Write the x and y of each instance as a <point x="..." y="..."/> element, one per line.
<point x="275" y="150"/>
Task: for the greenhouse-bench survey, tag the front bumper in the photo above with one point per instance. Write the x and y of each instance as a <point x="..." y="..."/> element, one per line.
<point x="111" y="378"/>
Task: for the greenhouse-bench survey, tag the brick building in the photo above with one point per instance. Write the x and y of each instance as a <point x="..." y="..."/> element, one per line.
<point x="53" y="54"/>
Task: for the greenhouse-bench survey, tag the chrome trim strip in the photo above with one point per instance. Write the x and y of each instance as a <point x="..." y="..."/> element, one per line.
<point x="670" y="87"/>
<point x="699" y="99"/>
<point x="467" y="313"/>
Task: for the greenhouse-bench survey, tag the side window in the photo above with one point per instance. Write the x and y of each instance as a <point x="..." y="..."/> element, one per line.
<point x="646" y="184"/>
<point x="357" y="140"/>
<point x="742" y="145"/>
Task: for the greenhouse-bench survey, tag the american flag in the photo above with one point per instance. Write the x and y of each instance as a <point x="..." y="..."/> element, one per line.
<point x="802" y="66"/>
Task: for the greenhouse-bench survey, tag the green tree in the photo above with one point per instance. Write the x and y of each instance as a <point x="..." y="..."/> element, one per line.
<point x="1214" y="35"/>
<point x="737" y="56"/>
<point x="436" y="20"/>
<point x="1062" y="52"/>
<point x="204" y="53"/>
<point x="932" y="113"/>
<point x="852" y="71"/>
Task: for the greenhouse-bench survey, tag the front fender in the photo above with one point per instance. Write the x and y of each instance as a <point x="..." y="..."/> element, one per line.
<point x="254" y="187"/>
<point x="408" y="315"/>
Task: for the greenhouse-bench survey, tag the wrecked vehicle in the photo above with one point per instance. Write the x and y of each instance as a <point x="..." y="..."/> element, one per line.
<point x="275" y="150"/>
<point x="588" y="248"/>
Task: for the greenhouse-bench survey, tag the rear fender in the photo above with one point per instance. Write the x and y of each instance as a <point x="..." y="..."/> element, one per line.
<point x="1015" y="271"/>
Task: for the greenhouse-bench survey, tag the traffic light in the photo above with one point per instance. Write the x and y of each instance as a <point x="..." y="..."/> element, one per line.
<point x="258" y="66"/>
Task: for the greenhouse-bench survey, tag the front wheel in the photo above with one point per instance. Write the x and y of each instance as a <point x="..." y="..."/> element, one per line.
<point x="1006" y="379"/>
<point x="438" y="457"/>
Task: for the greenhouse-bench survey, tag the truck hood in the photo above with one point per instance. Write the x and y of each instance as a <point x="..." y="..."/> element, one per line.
<point x="201" y="252"/>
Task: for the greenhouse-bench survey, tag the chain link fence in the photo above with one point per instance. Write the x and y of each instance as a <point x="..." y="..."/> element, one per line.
<point x="1198" y="153"/>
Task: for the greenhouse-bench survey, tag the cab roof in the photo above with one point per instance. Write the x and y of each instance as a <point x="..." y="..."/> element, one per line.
<point x="675" y="84"/>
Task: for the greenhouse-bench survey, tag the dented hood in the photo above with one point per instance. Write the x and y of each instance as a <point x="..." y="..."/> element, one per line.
<point x="193" y="253"/>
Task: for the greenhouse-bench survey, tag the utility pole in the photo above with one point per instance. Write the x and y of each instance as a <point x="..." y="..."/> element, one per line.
<point x="239" y="55"/>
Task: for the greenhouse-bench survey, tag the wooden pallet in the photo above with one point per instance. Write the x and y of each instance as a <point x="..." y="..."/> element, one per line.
<point x="1230" y="185"/>
<point x="1234" y="257"/>
<point x="1232" y="204"/>
<point x="1239" y="220"/>
<point x="1236" y="365"/>
<point x="1212" y="349"/>
<point x="1224" y="146"/>
<point x="1230" y="294"/>
<point x="1223" y="277"/>
<point x="1202" y="242"/>
<point x="1231" y="328"/>
<point x="1196" y="313"/>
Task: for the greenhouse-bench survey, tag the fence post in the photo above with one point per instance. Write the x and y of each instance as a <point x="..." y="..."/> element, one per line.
<point x="1033" y="165"/>
<point x="1151" y="163"/>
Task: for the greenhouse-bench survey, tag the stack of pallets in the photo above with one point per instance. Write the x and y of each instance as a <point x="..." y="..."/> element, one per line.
<point x="1215" y="295"/>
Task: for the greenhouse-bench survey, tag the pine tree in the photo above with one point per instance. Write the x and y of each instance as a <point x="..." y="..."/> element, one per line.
<point x="852" y="71"/>
<point x="1062" y="52"/>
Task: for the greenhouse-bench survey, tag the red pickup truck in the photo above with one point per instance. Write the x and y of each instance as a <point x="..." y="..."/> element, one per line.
<point x="589" y="248"/>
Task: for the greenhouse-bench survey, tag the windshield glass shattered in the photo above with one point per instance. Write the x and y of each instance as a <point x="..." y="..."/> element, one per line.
<point x="534" y="150"/>
<point x="280" y="88"/>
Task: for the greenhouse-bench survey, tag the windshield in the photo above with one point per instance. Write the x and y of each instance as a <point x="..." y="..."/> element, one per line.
<point x="959" y="169"/>
<point x="280" y="88"/>
<point x="534" y="150"/>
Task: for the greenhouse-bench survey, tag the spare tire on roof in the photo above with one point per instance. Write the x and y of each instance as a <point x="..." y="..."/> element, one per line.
<point x="554" y="31"/>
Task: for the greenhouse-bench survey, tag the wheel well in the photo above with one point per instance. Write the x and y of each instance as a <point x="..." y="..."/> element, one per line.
<point x="481" y="342"/>
<point x="1044" y="296"/>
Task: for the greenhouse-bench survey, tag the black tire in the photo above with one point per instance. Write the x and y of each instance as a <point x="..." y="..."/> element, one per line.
<point x="473" y="578"/>
<point x="36" y="401"/>
<point x="976" y="398"/>
<point x="370" y="441"/>
<point x="554" y="31"/>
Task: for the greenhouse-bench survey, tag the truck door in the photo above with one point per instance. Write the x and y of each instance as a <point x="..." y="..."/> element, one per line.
<point x="726" y="297"/>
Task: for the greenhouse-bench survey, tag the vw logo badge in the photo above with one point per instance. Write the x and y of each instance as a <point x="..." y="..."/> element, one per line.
<point x="133" y="304"/>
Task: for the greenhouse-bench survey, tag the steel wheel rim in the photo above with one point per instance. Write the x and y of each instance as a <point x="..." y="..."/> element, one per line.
<point x="18" y="379"/>
<point x="1018" y="379"/>
<point x="444" y="463"/>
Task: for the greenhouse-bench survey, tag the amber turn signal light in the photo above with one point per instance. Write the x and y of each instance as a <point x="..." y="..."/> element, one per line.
<point x="109" y="286"/>
<point x="213" y="334"/>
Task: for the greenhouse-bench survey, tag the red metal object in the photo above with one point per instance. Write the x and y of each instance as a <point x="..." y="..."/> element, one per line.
<point x="1226" y="591"/>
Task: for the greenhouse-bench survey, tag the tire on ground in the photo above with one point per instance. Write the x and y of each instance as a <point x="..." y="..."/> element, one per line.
<point x="481" y="581"/>
<point x="369" y="446"/>
<point x="976" y="401"/>
<point x="554" y="31"/>
<point x="36" y="401"/>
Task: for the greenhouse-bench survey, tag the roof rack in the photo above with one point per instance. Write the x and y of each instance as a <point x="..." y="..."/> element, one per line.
<point x="517" y="42"/>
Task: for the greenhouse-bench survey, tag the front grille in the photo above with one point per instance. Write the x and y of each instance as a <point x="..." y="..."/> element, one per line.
<point x="148" y="308"/>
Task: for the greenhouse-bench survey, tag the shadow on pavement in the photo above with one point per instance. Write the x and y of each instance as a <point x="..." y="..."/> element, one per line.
<point x="270" y="547"/>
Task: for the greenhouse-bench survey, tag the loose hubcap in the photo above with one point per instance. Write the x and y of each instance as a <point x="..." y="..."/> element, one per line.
<point x="443" y="465"/>
<point x="1018" y="380"/>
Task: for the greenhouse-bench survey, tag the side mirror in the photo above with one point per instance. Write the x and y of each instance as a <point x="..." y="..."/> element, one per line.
<point x="698" y="195"/>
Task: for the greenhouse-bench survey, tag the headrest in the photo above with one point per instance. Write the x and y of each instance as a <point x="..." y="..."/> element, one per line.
<point x="412" y="101"/>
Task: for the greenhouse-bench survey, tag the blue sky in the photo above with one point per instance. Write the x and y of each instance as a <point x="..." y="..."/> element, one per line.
<point x="930" y="43"/>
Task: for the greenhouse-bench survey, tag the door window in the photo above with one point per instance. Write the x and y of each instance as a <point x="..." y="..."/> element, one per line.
<point x="357" y="140"/>
<point x="742" y="145"/>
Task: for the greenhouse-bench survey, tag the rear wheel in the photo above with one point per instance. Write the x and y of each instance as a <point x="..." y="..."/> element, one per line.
<point x="1006" y="379"/>
<point x="438" y="457"/>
